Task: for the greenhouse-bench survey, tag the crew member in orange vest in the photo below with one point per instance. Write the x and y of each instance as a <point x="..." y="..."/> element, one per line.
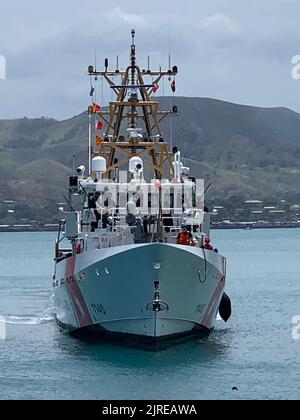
<point x="207" y="244"/>
<point x="185" y="237"/>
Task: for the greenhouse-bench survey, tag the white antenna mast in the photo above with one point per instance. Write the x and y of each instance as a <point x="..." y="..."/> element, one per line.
<point x="172" y="103"/>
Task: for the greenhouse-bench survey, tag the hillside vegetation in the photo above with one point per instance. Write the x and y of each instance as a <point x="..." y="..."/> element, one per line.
<point x="244" y="151"/>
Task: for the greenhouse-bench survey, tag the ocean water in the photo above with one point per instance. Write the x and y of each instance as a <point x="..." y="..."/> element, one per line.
<point x="254" y="352"/>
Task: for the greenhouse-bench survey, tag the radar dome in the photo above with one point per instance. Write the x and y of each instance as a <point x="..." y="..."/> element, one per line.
<point x="99" y="164"/>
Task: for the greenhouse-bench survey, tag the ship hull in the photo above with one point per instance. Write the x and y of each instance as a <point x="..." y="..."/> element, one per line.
<point x="147" y="296"/>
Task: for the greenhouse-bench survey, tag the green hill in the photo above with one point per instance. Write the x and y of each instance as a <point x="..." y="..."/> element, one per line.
<point x="242" y="150"/>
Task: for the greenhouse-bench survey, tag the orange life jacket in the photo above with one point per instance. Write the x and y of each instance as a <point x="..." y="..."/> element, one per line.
<point x="184" y="238"/>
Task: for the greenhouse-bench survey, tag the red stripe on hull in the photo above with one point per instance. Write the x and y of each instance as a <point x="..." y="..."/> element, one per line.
<point x="82" y="312"/>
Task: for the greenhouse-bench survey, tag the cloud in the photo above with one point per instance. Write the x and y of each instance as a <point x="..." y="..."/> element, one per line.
<point x="221" y="30"/>
<point x="227" y="49"/>
<point x="221" y="23"/>
<point x="118" y="15"/>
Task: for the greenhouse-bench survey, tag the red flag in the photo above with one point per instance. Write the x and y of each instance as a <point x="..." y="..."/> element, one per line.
<point x="155" y="88"/>
<point x="173" y="86"/>
<point x="96" y="107"/>
<point x="99" y="125"/>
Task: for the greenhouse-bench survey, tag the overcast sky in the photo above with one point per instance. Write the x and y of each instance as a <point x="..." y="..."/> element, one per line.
<point x="232" y="50"/>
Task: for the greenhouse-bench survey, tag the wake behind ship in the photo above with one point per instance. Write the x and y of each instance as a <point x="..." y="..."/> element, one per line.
<point x="133" y="259"/>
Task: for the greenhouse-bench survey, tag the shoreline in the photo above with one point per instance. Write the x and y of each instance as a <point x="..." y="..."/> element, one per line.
<point x="251" y="227"/>
<point x="220" y="227"/>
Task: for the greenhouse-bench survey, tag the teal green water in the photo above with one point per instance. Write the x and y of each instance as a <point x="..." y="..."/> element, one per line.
<point x="254" y="351"/>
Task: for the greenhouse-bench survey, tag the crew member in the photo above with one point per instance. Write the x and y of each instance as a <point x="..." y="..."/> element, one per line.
<point x="207" y="245"/>
<point x="185" y="237"/>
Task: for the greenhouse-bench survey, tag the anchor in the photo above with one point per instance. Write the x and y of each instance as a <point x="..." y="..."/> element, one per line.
<point x="157" y="305"/>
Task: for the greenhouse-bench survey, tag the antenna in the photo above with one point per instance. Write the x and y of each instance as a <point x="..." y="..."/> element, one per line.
<point x="90" y="143"/>
<point x="74" y="165"/>
<point x="133" y="36"/>
<point x="134" y="111"/>
<point x="96" y="78"/>
<point x="133" y="61"/>
<point x="170" y="53"/>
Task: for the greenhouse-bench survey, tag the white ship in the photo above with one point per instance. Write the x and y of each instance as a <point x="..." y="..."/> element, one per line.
<point x="121" y="269"/>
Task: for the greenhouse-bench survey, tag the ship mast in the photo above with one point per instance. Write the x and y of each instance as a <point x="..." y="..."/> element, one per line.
<point x="134" y="103"/>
